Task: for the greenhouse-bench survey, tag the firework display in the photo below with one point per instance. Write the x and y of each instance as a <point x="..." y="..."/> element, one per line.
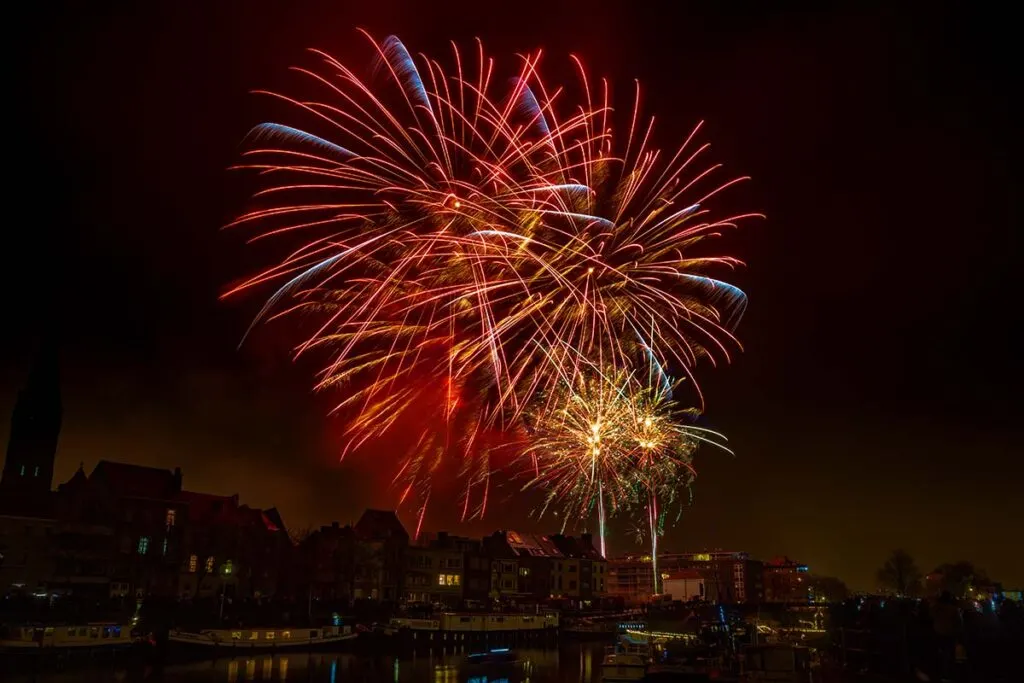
<point x="615" y="444"/>
<point x="494" y="250"/>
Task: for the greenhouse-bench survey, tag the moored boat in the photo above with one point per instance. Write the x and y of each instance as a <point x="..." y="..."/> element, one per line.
<point x="475" y="622"/>
<point x="262" y="639"/>
<point x="98" y="635"/>
<point x="625" y="661"/>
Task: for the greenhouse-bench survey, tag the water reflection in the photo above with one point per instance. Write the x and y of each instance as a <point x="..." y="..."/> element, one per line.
<point x="573" y="663"/>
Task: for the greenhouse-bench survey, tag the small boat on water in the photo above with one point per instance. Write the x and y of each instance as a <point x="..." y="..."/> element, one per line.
<point x="501" y="655"/>
<point x="98" y="635"/>
<point x="625" y="661"/>
<point x="262" y="639"/>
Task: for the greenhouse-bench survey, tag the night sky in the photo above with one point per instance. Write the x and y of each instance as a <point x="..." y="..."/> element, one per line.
<point x="877" y="404"/>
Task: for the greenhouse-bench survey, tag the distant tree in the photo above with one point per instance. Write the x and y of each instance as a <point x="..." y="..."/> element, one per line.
<point x="900" y="573"/>
<point x="959" y="578"/>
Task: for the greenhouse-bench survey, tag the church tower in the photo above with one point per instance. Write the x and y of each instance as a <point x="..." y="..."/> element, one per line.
<point x="35" y="427"/>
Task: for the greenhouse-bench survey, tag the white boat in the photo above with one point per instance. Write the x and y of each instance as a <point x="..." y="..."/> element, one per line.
<point x="626" y="661"/>
<point x="105" y="635"/>
<point x="471" y="622"/>
<point x="263" y="639"/>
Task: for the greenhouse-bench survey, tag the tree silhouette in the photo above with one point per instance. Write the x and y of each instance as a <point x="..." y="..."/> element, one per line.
<point x="959" y="578"/>
<point x="900" y="573"/>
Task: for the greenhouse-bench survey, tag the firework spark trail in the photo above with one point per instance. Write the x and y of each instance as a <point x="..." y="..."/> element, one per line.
<point x="618" y="438"/>
<point x="494" y="241"/>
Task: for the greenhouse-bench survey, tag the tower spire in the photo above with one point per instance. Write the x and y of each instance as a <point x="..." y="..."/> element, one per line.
<point x="35" y="426"/>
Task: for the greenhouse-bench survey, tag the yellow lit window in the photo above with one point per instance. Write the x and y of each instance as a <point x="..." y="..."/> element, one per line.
<point x="270" y="635"/>
<point x="456" y="577"/>
<point x="171" y="514"/>
<point x="209" y="563"/>
<point x="228" y="567"/>
<point x="440" y="579"/>
<point x="193" y="562"/>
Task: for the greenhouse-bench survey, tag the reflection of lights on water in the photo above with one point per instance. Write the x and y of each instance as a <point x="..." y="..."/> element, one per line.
<point x="284" y="668"/>
<point x="232" y="671"/>
<point x="334" y="670"/>
<point x="396" y="669"/>
<point x="446" y="672"/>
<point x="250" y="669"/>
<point x="268" y="667"/>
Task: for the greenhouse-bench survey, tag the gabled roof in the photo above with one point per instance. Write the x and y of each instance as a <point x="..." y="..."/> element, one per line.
<point x="77" y="482"/>
<point x="532" y="545"/>
<point x="378" y="525"/>
<point x="571" y="546"/>
<point x="272" y="518"/>
<point x="137" y="481"/>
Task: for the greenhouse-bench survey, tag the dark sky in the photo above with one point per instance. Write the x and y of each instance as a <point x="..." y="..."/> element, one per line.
<point x="877" y="404"/>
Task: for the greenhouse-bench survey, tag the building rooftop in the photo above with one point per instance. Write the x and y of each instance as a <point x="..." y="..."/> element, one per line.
<point x="532" y="545"/>
<point x="379" y="525"/>
<point x="137" y="481"/>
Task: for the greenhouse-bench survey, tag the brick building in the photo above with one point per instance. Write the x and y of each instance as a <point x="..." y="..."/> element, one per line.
<point x="785" y="581"/>
<point x="730" y="577"/>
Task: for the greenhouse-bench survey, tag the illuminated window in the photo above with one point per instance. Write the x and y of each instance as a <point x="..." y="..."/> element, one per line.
<point x="228" y="567"/>
<point x="171" y="514"/>
<point x="270" y="635"/>
<point x="143" y="544"/>
<point x="235" y="635"/>
<point x="286" y="634"/>
<point x="165" y="547"/>
<point x="440" y="579"/>
<point x="193" y="563"/>
<point x="36" y="473"/>
<point x="524" y="571"/>
<point x="457" y="578"/>
<point x="23" y="470"/>
<point x="209" y="563"/>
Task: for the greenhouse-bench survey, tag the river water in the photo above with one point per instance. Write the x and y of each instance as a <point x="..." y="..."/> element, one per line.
<point x="575" y="662"/>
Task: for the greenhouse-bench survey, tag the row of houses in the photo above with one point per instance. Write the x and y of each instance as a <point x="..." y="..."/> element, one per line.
<point x="719" y="576"/>
<point x="443" y="569"/>
<point x="126" y="530"/>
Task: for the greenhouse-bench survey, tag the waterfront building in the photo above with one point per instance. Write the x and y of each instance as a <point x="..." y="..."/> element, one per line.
<point x="447" y="570"/>
<point x="785" y="581"/>
<point x="730" y="577"/>
<point x="385" y="542"/>
<point x="684" y="585"/>
<point x="581" y="576"/>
